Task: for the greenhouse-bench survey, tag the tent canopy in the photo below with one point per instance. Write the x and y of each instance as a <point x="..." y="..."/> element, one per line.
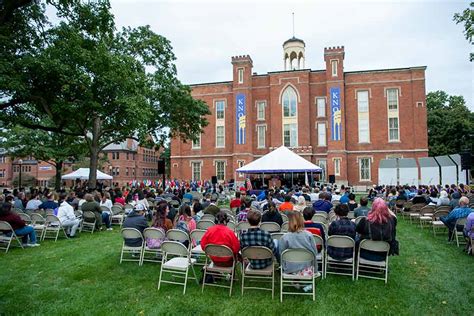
<point x="281" y="160"/>
<point x="83" y="174"/>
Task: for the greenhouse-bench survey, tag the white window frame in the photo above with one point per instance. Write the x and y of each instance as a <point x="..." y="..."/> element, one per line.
<point x="323" y="163"/>
<point x="240" y="75"/>
<point x="223" y="136"/>
<point x="261" y="127"/>
<point x="337" y="166"/>
<point x="369" y="159"/>
<point x="397" y="93"/>
<point x="322" y="139"/>
<point x="360" y="101"/>
<point x="363" y="109"/>
<point x="223" y="102"/>
<point x="295" y="135"/>
<point x="193" y="171"/>
<point x="393" y="113"/>
<point x="223" y="164"/>
<point x="283" y="96"/>
<point x="392" y="140"/>
<point x="197" y="144"/>
<point x="320" y="111"/>
<point x="240" y="164"/>
<point x="261" y="105"/>
<point x="334" y="64"/>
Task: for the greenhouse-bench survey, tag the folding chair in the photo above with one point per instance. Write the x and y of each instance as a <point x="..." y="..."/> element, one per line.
<point x="459" y="235"/>
<point x="25" y="217"/>
<point x="155" y="233"/>
<point x="320" y="218"/>
<point x="337" y="241"/>
<point x="211" y="269"/>
<point x="118" y="215"/>
<point x="37" y="222"/>
<point x="7" y="234"/>
<point x="288" y="279"/>
<point x="270" y="227"/>
<point x="197" y="251"/>
<point x="436" y="223"/>
<point x="284" y="217"/>
<point x="128" y="208"/>
<point x="358" y="219"/>
<point x="267" y="273"/>
<point x="284" y="227"/>
<point x="88" y="223"/>
<point x="320" y="257"/>
<point x="426" y="214"/>
<point x="178" y="265"/>
<point x="204" y="224"/>
<point x="53" y="227"/>
<point x="231" y="225"/>
<point x="415" y="212"/>
<point x="277" y="236"/>
<point x="241" y="227"/>
<point x="350" y="215"/>
<point x="208" y="217"/>
<point x="370" y="267"/>
<point x="178" y="235"/>
<point x="132" y="233"/>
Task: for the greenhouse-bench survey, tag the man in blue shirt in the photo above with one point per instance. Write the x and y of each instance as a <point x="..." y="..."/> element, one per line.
<point x="460" y="212"/>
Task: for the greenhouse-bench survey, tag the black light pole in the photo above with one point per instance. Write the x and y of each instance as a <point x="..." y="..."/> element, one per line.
<point x="20" y="162"/>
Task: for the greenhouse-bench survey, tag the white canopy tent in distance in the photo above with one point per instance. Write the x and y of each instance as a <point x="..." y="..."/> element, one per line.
<point x="281" y="161"/>
<point x="83" y="174"/>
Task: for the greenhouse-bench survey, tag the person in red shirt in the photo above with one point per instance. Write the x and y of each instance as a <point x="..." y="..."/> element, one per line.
<point x="287" y="205"/>
<point x="220" y="234"/>
<point x="18" y="225"/>
<point x="236" y="202"/>
<point x="312" y="227"/>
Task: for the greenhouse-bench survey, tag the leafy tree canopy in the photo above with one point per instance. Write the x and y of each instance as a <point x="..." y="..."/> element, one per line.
<point x="467" y="18"/>
<point x="450" y="124"/>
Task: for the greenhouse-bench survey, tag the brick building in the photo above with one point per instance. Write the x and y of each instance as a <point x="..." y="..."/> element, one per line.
<point x="125" y="161"/>
<point x="345" y="122"/>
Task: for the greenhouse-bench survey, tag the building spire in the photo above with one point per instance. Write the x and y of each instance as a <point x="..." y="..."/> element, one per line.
<point x="293" y="13"/>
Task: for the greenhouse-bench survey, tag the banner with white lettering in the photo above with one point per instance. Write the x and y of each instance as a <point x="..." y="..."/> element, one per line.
<point x="241" y="118"/>
<point x="336" y="117"/>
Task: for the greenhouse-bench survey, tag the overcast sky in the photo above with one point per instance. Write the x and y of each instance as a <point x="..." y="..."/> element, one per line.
<point x="376" y="34"/>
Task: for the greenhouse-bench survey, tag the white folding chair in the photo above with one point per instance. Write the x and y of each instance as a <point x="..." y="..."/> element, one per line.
<point x="320" y="218"/>
<point x="178" y="235"/>
<point x="277" y="236"/>
<point x="37" y="222"/>
<point x="270" y="227"/>
<point x="231" y="224"/>
<point x="369" y="267"/>
<point x="284" y="227"/>
<point x="176" y="259"/>
<point x="118" y="215"/>
<point x="7" y="235"/>
<point x="208" y="217"/>
<point x="88" y="222"/>
<point x="337" y="241"/>
<point x="135" y="251"/>
<point x="284" y="217"/>
<point x="265" y="274"/>
<point x="153" y="233"/>
<point x="436" y="222"/>
<point x="196" y="251"/>
<point x="218" y="251"/>
<point x="204" y="224"/>
<point x="426" y="214"/>
<point x="52" y="228"/>
<point x="321" y="256"/>
<point x="25" y="217"/>
<point x="242" y="227"/>
<point x="459" y="235"/>
<point x="287" y="279"/>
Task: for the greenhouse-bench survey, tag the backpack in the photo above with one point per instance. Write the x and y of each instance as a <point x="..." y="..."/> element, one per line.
<point x="182" y="225"/>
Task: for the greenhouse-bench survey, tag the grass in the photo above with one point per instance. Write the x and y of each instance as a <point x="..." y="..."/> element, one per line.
<point x="83" y="276"/>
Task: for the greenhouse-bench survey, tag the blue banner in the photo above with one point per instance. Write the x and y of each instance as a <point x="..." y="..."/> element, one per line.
<point x="336" y="117"/>
<point x="240" y="116"/>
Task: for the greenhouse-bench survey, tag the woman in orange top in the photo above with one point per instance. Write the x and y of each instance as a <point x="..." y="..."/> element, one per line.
<point x="287" y="205"/>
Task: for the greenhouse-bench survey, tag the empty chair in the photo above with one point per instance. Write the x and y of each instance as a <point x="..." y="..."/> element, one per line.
<point x="134" y="251"/>
<point x="369" y="268"/>
<point x="52" y="228"/>
<point x="297" y="256"/>
<point x="436" y="223"/>
<point x="210" y="268"/>
<point x="37" y="221"/>
<point x="178" y="235"/>
<point x="267" y="273"/>
<point x="270" y="227"/>
<point x="426" y="214"/>
<point x="196" y="251"/>
<point x="152" y="233"/>
<point x="176" y="261"/>
<point x="343" y="266"/>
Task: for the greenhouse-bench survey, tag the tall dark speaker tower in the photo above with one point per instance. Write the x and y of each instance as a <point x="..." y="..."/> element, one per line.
<point x="161" y="166"/>
<point x="332" y="178"/>
<point x="214" y="179"/>
<point x="466" y="160"/>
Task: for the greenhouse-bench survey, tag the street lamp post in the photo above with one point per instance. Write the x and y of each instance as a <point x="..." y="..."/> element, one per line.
<point x="20" y="162"/>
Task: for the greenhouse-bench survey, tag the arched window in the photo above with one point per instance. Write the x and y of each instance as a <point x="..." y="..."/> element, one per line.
<point x="289" y="102"/>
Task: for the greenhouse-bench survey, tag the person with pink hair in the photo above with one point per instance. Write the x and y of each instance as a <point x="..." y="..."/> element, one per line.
<point x="380" y="224"/>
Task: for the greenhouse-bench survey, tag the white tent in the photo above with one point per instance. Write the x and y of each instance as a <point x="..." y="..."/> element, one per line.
<point x="83" y="174"/>
<point x="281" y="160"/>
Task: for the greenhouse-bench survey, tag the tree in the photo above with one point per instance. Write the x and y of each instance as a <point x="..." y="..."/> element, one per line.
<point x="86" y="79"/>
<point x="49" y="147"/>
<point x="450" y="124"/>
<point x="467" y="17"/>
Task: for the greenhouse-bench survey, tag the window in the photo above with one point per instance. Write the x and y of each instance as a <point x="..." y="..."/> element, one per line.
<point x="261" y="136"/>
<point x="364" y="169"/>
<point x="321" y="107"/>
<point x="133" y="172"/>
<point x="196" y="144"/>
<point x="363" y="101"/>
<point x="290" y="136"/>
<point x="260" y="111"/>
<point x="117" y="155"/>
<point x="220" y="110"/>
<point x="240" y="164"/>
<point x="289" y="103"/>
<point x="392" y="99"/>
<point x="2" y="173"/>
<point x="2" y="159"/>
<point x="240" y="73"/>
<point x="334" y="68"/>
<point x="126" y="171"/>
<point x="196" y="169"/>
<point x="220" y="170"/>
<point x="322" y="164"/>
<point x="220" y="140"/>
<point x="321" y="134"/>
<point x="393" y="131"/>
<point x="337" y="166"/>
<point x="117" y="171"/>
<point x="363" y="130"/>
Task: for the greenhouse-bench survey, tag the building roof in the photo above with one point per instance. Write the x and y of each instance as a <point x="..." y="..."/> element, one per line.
<point x="407" y="163"/>
<point x="293" y="39"/>
<point x="427" y="162"/>
<point x="388" y="163"/>
<point x="122" y="146"/>
<point x="445" y="161"/>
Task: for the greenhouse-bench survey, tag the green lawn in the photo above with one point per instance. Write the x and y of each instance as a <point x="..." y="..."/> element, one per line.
<point x="83" y="276"/>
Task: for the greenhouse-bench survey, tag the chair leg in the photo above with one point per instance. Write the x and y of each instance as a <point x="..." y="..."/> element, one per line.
<point x="281" y="286"/>
<point x="203" y="279"/>
<point x="194" y="273"/>
<point x="273" y="280"/>
<point x="185" y="280"/>
<point x="232" y="279"/>
<point x="243" y="277"/>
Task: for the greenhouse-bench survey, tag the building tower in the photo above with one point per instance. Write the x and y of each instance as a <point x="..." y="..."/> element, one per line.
<point x="293" y="54"/>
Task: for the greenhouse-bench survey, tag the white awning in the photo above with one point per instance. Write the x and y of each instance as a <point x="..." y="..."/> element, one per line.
<point x="83" y="174"/>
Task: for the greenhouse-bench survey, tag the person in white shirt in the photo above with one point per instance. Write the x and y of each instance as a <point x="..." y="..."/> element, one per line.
<point x="67" y="217"/>
<point x="106" y="201"/>
<point x="336" y="196"/>
<point x="34" y="203"/>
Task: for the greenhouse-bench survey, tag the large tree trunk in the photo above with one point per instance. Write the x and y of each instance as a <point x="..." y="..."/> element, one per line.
<point x="59" y="171"/>
<point x="94" y="153"/>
